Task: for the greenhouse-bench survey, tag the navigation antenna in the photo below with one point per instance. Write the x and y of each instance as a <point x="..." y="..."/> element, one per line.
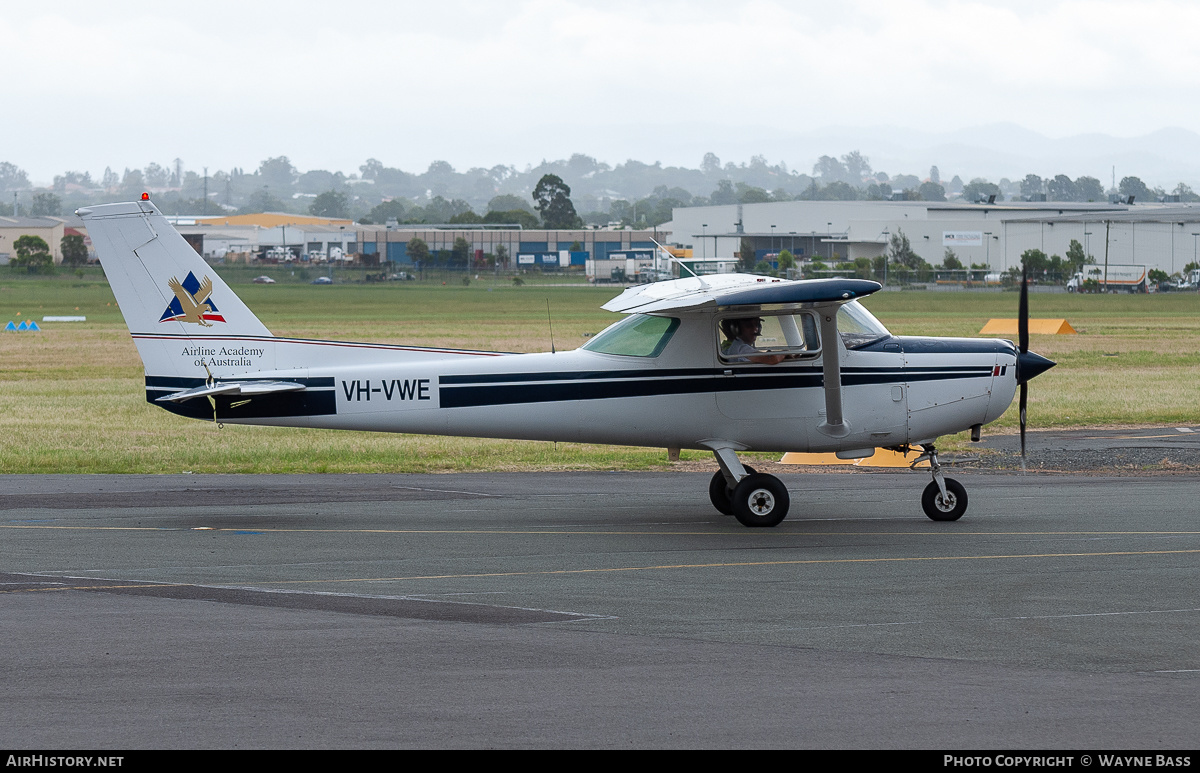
<point x="551" y="324"/>
<point x="682" y="265"/>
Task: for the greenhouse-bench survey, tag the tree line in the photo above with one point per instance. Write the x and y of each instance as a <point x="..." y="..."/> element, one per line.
<point x="632" y="194"/>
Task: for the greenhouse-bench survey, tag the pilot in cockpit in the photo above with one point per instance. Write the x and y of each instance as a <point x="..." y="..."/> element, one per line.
<point x="742" y="333"/>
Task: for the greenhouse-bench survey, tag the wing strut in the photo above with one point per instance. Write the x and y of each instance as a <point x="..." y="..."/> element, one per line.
<point x="835" y="424"/>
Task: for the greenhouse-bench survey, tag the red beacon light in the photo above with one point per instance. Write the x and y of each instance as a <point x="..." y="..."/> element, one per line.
<point x="145" y="197"/>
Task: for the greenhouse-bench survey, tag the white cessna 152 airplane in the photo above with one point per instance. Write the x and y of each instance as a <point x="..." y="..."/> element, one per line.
<point x="725" y="363"/>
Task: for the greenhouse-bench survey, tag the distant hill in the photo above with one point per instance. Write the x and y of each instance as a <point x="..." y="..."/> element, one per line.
<point x="1165" y="157"/>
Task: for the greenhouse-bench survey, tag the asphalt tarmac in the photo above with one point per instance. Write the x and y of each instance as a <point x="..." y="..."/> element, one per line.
<point x="1124" y="450"/>
<point x="596" y="610"/>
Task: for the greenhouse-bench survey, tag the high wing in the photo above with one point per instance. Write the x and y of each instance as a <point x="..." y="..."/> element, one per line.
<point x="736" y="290"/>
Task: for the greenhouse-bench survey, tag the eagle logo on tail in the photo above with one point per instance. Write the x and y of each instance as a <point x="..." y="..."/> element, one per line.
<point x="192" y="302"/>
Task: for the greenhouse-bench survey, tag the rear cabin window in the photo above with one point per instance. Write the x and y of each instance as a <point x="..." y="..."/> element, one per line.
<point x="639" y="335"/>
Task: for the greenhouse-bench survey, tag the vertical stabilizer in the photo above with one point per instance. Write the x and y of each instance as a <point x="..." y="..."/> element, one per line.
<point x="170" y="298"/>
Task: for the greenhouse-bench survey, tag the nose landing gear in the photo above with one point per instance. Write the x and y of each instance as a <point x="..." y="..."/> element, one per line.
<point x="944" y="499"/>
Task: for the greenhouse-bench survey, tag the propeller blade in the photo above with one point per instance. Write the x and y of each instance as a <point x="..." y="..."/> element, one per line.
<point x="1023" y="315"/>
<point x="1024" y="398"/>
<point x="1029" y="364"/>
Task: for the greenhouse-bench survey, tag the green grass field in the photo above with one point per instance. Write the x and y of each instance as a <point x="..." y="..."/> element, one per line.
<point x="72" y="396"/>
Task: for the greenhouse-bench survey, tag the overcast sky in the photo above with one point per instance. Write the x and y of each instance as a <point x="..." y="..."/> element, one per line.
<point x="224" y="84"/>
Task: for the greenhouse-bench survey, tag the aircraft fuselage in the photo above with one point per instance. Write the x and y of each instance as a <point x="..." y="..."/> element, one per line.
<point x="896" y="391"/>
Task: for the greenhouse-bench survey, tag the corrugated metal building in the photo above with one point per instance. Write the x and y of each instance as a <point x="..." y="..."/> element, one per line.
<point x="541" y="247"/>
<point x="1163" y="236"/>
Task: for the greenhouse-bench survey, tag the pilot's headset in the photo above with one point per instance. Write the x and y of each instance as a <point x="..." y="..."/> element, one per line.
<point x="731" y="327"/>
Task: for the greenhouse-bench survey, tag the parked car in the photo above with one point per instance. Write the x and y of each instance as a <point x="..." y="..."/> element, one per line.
<point x="263" y="280"/>
<point x="321" y="280"/>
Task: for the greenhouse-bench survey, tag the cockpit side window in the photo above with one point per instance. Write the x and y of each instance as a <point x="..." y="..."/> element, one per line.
<point x="638" y="335"/>
<point x="767" y="338"/>
<point x="858" y="327"/>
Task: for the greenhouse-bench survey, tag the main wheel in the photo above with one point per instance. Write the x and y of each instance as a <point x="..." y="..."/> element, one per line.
<point x="760" y="500"/>
<point x="950" y="508"/>
<point x="719" y="492"/>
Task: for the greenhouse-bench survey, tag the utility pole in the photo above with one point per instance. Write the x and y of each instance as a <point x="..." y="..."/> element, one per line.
<point x="886" y="237"/>
<point x="1107" y="225"/>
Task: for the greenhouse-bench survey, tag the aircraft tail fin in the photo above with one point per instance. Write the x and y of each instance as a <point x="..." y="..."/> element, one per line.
<point x="171" y="299"/>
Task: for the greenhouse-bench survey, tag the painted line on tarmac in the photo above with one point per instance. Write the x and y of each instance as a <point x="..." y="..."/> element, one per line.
<point x="742" y="564"/>
<point x="982" y="620"/>
<point x="449" y="491"/>
<point x="406" y="606"/>
<point x="63" y="586"/>
<point x="780" y="531"/>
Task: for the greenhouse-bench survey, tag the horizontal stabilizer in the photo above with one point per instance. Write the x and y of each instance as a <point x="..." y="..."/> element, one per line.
<point x="233" y="388"/>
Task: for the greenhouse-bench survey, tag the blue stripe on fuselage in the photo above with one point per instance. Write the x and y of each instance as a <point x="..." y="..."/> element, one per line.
<point x="462" y="391"/>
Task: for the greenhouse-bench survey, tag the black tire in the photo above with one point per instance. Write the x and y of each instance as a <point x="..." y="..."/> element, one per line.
<point x="950" y="510"/>
<point x="719" y="492"/>
<point x="760" y="500"/>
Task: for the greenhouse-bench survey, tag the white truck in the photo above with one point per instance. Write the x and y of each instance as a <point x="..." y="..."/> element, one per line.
<point x="1126" y="277"/>
<point x="616" y="270"/>
<point x="622" y="269"/>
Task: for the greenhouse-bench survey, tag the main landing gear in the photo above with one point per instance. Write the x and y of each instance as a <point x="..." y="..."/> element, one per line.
<point x="944" y="499"/>
<point x="754" y="498"/>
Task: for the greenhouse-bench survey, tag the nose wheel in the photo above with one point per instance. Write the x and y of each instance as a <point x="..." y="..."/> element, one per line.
<point x="944" y="499"/>
<point x="944" y="507"/>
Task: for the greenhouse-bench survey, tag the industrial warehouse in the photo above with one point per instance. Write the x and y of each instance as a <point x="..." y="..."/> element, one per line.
<point x="1161" y="236"/>
<point x="257" y="237"/>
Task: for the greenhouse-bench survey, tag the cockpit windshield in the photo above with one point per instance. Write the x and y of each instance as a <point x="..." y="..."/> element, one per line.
<point x="638" y="335"/>
<point x="858" y="326"/>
